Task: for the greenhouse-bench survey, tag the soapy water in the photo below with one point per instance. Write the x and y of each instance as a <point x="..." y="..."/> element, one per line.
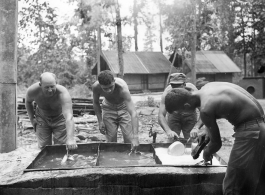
<point x="107" y="158"/>
<point x="74" y="161"/>
<point x="185" y="159"/>
<point x="114" y="158"/>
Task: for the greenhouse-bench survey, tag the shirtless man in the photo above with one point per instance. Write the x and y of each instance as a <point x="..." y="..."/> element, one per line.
<point x="176" y="122"/>
<point x="53" y="116"/>
<point x="245" y="170"/>
<point x="117" y="109"/>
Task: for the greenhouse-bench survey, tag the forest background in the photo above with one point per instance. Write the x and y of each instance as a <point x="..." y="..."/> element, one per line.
<point x="63" y="36"/>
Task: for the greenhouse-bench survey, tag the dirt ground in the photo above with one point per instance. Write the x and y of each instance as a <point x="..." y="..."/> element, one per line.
<point x="13" y="163"/>
<point x="86" y="127"/>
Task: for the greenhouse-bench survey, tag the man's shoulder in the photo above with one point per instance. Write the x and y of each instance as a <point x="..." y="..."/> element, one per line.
<point x="120" y="81"/>
<point x="61" y="88"/>
<point x="191" y="86"/>
<point x="95" y="86"/>
<point x="122" y="85"/>
<point x="168" y="88"/>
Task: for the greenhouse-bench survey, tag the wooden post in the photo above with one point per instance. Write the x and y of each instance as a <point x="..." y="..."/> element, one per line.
<point x="8" y="75"/>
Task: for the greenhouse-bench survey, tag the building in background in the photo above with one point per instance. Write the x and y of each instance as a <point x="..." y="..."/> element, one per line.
<point x="213" y="66"/>
<point x="143" y="71"/>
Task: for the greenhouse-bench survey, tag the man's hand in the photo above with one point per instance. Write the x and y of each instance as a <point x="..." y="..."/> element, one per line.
<point x="172" y="134"/>
<point x="71" y="144"/>
<point x="34" y="123"/>
<point x="135" y="144"/>
<point x="206" y="156"/>
<point x="202" y="134"/>
<point x="194" y="133"/>
<point x="102" y="128"/>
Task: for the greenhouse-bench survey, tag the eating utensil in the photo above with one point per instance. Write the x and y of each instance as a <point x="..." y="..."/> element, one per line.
<point x="65" y="158"/>
<point x="185" y="145"/>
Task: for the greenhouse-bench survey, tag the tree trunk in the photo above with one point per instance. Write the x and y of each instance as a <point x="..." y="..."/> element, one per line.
<point x="119" y="37"/>
<point x="99" y="50"/>
<point x="171" y="67"/>
<point x="193" y="47"/>
<point x="135" y="25"/>
<point x="160" y="24"/>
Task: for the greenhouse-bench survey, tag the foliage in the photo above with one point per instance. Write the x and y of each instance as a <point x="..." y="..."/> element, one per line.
<point x="178" y="23"/>
<point x="149" y="39"/>
<point x="80" y="91"/>
<point x="43" y="44"/>
<point x="69" y="49"/>
<point x="151" y="101"/>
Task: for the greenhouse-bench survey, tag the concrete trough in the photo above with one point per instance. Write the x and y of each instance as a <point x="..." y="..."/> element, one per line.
<point x="146" y="175"/>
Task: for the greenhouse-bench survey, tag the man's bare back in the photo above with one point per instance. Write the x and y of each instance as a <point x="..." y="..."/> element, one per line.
<point x="226" y="100"/>
<point x="245" y="169"/>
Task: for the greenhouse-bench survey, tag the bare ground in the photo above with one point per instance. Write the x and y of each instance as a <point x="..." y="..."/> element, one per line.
<point x="13" y="163"/>
<point x="86" y="127"/>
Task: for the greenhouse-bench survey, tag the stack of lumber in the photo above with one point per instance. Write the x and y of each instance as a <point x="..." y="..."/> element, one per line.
<point x="80" y="106"/>
<point x="83" y="105"/>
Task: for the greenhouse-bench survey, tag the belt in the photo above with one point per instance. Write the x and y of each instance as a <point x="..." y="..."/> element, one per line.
<point x="255" y="121"/>
<point x="115" y="106"/>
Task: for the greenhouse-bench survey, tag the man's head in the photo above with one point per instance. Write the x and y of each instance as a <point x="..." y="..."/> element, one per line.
<point x="177" y="80"/>
<point x="48" y="83"/>
<point x="106" y="81"/>
<point x="177" y="100"/>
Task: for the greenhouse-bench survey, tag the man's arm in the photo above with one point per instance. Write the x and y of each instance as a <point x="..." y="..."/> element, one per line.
<point x="97" y="108"/>
<point x="67" y="111"/>
<point x="29" y="107"/>
<point x="195" y="131"/>
<point x="162" y="118"/>
<point x="212" y="128"/>
<point x="132" y="111"/>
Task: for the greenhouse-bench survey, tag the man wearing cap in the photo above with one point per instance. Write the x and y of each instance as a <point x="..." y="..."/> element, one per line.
<point x="176" y="122"/>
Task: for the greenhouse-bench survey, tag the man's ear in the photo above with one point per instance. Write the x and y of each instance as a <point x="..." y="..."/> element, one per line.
<point x="39" y="84"/>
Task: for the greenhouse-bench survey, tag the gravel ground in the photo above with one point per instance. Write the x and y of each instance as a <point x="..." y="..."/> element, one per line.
<point x="87" y="127"/>
<point x="13" y="163"/>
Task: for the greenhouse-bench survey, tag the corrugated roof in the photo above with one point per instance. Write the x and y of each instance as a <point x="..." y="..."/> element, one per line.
<point x="214" y="62"/>
<point x="138" y="62"/>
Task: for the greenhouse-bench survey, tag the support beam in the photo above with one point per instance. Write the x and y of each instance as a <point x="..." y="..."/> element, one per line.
<point x="8" y="74"/>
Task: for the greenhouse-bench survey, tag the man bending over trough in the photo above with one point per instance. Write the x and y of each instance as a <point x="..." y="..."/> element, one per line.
<point x="117" y="109"/>
<point x="245" y="171"/>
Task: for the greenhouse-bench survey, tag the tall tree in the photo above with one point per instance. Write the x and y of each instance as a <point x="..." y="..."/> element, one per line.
<point x="119" y="38"/>
<point x="40" y="33"/>
<point x="150" y="37"/>
<point x="138" y="16"/>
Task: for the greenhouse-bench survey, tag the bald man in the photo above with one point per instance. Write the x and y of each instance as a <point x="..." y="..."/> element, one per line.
<point x="53" y="117"/>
